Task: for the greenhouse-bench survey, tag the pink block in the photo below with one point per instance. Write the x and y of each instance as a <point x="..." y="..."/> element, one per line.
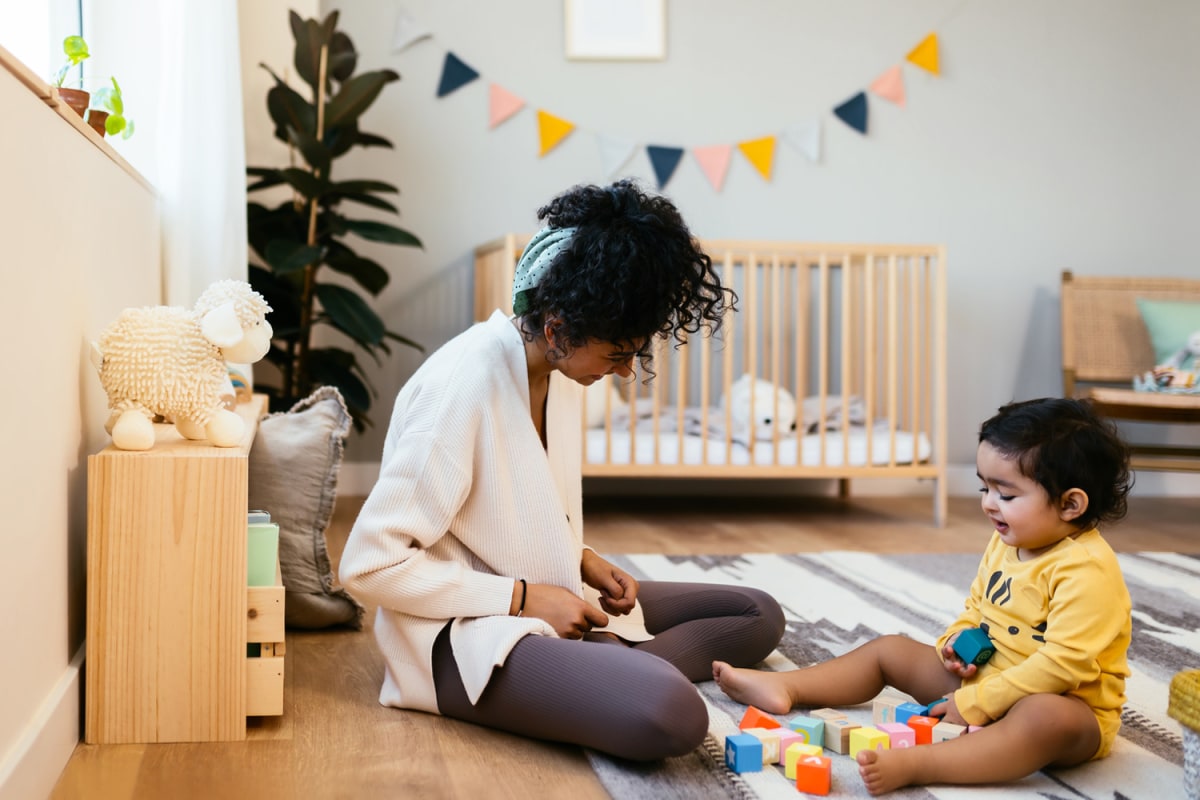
<point x="898" y="735"/>
<point x="786" y="738"/>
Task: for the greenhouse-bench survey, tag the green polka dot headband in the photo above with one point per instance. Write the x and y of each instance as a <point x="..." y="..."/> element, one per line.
<point x="539" y="254"/>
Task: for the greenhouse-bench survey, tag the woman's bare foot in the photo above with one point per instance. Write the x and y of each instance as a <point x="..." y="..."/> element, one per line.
<point x="764" y="690"/>
<point x="884" y="770"/>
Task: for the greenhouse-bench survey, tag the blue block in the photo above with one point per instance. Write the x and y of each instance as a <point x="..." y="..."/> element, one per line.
<point x="906" y="710"/>
<point x="974" y="647"/>
<point x="811" y="728"/>
<point x="743" y="753"/>
<point x="929" y="707"/>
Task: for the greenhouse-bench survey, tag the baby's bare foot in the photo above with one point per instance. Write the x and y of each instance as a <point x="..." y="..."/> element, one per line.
<point x="884" y="770"/>
<point x="752" y="687"/>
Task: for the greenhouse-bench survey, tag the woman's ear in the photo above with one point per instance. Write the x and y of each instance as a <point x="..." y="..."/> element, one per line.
<point x="1072" y="504"/>
<point x="550" y="327"/>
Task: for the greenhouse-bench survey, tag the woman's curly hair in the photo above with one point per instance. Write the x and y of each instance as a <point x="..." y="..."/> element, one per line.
<point x="631" y="272"/>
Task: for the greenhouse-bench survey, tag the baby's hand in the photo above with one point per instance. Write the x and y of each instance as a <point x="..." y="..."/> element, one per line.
<point x="948" y="711"/>
<point x="954" y="664"/>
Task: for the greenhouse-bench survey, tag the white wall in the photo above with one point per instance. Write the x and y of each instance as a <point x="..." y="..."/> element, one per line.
<point x="81" y="242"/>
<point x="1059" y="136"/>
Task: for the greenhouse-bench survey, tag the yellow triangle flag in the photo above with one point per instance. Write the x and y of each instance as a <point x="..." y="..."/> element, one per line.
<point x="925" y="55"/>
<point x="551" y="131"/>
<point x="760" y="153"/>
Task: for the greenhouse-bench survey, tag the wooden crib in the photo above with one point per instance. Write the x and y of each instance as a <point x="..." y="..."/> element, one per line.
<point x="853" y="334"/>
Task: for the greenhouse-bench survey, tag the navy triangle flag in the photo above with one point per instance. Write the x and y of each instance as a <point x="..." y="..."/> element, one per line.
<point x="664" y="160"/>
<point x="455" y="75"/>
<point x="853" y="112"/>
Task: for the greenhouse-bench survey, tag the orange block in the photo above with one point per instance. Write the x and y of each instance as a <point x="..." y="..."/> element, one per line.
<point x="755" y="718"/>
<point x="813" y="775"/>
<point x="924" y="728"/>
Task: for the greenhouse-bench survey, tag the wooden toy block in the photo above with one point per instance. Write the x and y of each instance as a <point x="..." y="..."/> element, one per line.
<point x="906" y="710"/>
<point x="811" y="728"/>
<point x="787" y="738"/>
<point x="743" y="753"/>
<point x="837" y="734"/>
<point x="883" y="709"/>
<point x="827" y="713"/>
<point x="796" y="752"/>
<point x="814" y="775"/>
<point x="974" y="647"/>
<point x="899" y="736"/>
<point x="770" y="743"/>
<point x="973" y="728"/>
<point x="923" y="727"/>
<point x="755" y="718"/>
<point x="868" y="739"/>
<point x="947" y="730"/>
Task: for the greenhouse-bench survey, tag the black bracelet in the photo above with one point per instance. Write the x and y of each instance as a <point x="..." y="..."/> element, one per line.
<point x="524" y="591"/>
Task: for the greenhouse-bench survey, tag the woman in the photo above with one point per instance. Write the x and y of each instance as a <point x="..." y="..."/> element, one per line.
<point x="491" y="608"/>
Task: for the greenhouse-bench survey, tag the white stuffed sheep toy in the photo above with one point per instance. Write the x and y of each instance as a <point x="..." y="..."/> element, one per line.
<point x="761" y="420"/>
<point x="170" y="362"/>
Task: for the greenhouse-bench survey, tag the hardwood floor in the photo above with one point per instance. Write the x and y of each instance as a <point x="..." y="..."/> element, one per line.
<point x="335" y="741"/>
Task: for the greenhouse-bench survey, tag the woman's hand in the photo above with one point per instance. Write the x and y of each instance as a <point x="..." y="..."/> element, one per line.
<point x="570" y="616"/>
<point x="953" y="663"/>
<point x="618" y="589"/>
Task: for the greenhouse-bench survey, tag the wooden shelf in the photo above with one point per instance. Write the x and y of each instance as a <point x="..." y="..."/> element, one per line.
<point x="169" y="614"/>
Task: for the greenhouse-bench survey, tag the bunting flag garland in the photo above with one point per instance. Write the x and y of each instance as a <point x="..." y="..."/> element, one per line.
<point x="664" y="160"/>
<point x="614" y="153"/>
<point x="455" y="75"/>
<point x="714" y="162"/>
<point x="890" y="86"/>
<point x="408" y="32"/>
<point x="853" y="112"/>
<point x="502" y="104"/>
<point x="925" y="55"/>
<point x="760" y="153"/>
<point x="551" y="131"/>
<point x="805" y="137"/>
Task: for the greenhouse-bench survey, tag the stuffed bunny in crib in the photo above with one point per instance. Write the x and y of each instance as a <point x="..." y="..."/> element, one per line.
<point x="761" y="420"/>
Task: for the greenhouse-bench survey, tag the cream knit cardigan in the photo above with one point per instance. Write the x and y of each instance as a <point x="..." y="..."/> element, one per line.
<point x="467" y="501"/>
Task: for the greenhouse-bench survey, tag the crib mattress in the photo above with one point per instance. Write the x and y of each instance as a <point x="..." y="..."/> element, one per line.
<point x="603" y="448"/>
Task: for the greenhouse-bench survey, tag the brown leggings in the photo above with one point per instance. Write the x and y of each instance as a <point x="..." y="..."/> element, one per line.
<point x="635" y="702"/>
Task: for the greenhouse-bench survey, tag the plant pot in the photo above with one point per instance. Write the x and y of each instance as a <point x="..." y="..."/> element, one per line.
<point x="96" y="118"/>
<point x="77" y="99"/>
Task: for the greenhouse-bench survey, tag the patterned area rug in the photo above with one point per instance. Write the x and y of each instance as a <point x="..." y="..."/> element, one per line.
<point x="838" y="600"/>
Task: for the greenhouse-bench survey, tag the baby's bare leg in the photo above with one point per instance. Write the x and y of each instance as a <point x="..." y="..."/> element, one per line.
<point x="1040" y="730"/>
<point x="856" y="677"/>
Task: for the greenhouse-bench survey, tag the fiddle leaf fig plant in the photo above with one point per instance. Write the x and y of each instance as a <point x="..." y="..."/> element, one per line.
<point x="299" y="241"/>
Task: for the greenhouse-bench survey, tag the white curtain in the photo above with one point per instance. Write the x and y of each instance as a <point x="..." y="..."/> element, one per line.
<point x="179" y="66"/>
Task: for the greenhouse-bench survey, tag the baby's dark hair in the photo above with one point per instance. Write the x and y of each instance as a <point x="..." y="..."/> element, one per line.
<point x="631" y="272"/>
<point x="1062" y="443"/>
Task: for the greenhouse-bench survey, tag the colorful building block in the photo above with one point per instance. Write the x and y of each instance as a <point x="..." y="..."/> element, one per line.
<point x="837" y="734"/>
<point x="929" y="708"/>
<point x="787" y="738"/>
<point x="883" y="708"/>
<point x="811" y="728"/>
<point x="814" y="775"/>
<point x="755" y="718"/>
<point x="899" y="736"/>
<point x="743" y="753"/>
<point x="947" y="730"/>
<point x="770" y="743"/>
<point x="923" y="726"/>
<point x="974" y="647"/>
<point x="868" y="739"/>
<point x="827" y="713"/>
<point x="906" y="710"/>
<point x="795" y="753"/>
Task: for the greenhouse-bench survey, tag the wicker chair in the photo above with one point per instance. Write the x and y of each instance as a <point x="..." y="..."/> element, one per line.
<point x="1105" y="344"/>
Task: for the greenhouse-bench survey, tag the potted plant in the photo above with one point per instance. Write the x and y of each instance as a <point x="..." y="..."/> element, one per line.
<point x="299" y="240"/>
<point x="107" y="114"/>
<point x="76" y="51"/>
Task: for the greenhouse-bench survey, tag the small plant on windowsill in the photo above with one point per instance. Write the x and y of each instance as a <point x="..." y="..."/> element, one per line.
<point x="107" y="114"/>
<point x="76" y="51"/>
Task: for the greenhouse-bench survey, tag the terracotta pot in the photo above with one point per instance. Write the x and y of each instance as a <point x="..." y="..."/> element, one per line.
<point x="96" y="118"/>
<point x="77" y="99"/>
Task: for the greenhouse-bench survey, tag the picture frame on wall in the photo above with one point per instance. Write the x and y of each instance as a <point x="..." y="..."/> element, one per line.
<point x="616" y="30"/>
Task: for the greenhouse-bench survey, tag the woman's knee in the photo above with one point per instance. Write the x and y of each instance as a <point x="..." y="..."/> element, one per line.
<point x="769" y="623"/>
<point x="673" y="722"/>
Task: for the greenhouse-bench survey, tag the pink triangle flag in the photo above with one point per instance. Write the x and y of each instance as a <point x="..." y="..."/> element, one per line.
<point x="714" y="162"/>
<point x="890" y="86"/>
<point x="502" y="104"/>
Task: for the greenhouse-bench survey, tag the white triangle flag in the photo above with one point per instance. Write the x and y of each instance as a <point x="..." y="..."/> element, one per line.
<point x="614" y="152"/>
<point x="408" y="31"/>
<point x="805" y="137"/>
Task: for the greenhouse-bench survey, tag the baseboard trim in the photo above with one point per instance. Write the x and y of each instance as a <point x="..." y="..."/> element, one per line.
<point x="33" y="765"/>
